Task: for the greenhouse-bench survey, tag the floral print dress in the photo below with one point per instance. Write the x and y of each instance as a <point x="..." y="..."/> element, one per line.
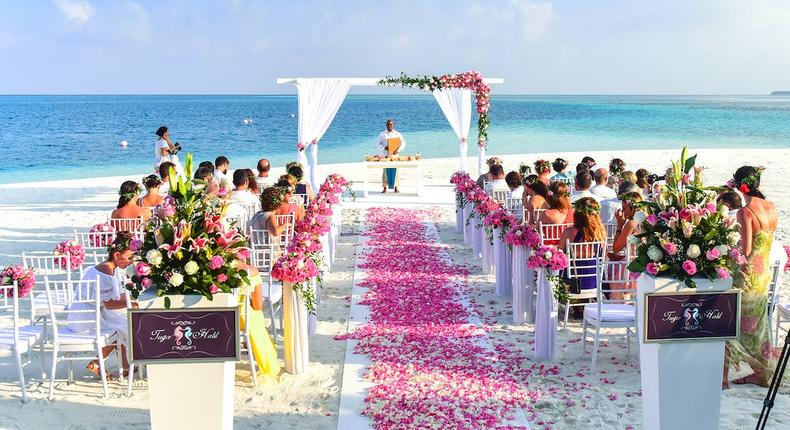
<point x="754" y="346"/>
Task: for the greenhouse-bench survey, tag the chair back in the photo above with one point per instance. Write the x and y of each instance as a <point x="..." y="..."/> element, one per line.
<point x="585" y="260"/>
<point x="535" y="216"/>
<point x="96" y="241"/>
<point x="84" y="305"/>
<point x="616" y="278"/>
<point x="773" y="287"/>
<point x="500" y="195"/>
<point x="8" y="297"/>
<point x="550" y="233"/>
<point x="515" y="205"/>
<point x="611" y="232"/>
<point x="299" y="199"/>
<point x="132" y="225"/>
<point x="48" y="265"/>
<point x="288" y="233"/>
<point x="263" y="259"/>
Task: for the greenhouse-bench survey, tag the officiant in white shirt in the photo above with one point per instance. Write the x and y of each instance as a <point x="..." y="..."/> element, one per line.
<point x="389" y="178"/>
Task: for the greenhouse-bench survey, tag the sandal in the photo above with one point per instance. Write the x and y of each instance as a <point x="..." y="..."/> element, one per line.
<point x="94" y="368"/>
<point x="750" y="379"/>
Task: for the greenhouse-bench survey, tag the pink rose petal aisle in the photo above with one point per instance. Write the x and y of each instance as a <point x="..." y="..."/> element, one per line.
<point x="430" y="368"/>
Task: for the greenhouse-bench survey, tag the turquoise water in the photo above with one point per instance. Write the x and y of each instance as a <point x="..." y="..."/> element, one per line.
<point x="56" y="137"/>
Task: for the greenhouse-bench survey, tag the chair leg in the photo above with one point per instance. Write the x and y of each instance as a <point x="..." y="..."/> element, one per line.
<point x="21" y="371"/>
<point x="102" y="369"/>
<point x="251" y="355"/>
<point x="776" y="336"/>
<point x="43" y="360"/>
<point x="596" y="343"/>
<point x="567" y="312"/>
<point x="274" y="322"/>
<point x="52" y="371"/>
<point x="70" y="371"/>
<point x="129" y="380"/>
<point x="627" y="345"/>
<point x="584" y="337"/>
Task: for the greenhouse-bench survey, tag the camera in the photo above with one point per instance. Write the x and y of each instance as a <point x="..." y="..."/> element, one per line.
<point x="177" y="148"/>
<point x="653" y="178"/>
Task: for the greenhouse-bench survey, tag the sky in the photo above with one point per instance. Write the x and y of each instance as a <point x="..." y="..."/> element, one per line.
<point x="536" y="46"/>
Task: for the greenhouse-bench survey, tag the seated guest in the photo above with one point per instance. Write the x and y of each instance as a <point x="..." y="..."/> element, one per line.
<point x="164" y="174"/>
<point x="586" y="227"/>
<point x="581" y="185"/>
<point x="559" y="211"/>
<point x="628" y="176"/>
<point x="497" y="182"/>
<point x="601" y="188"/>
<point x="297" y="172"/>
<point x="589" y="161"/>
<point x="127" y="205"/>
<point x="221" y="165"/>
<point x="560" y="165"/>
<point x="252" y="183"/>
<point x="616" y="170"/>
<point x="152" y="197"/>
<point x="207" y="177"/>
<point x="582" y="167"/>
<point x="271" y="199"/>
<point x="288" y="205"/>
<point x="609" y="207"/>
<point x="208" y="165"/>
<point x="642" y="182"/>
<point x="543" y="170"/>
<point x="241" y="193"/>
<point x="625" y="227"/>
<point x="731" y="200"/>
<point x="111" y="275"/>
<point x="536" y="195"/>
<point x="485" y="177"/>
<point x="263" y="174"/>
<point x="513" y="180"/>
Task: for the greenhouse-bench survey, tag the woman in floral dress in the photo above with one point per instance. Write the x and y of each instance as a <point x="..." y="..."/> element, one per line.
<point x="758" y="220"/>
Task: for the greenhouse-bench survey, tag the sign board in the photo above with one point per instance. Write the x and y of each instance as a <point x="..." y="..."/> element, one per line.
<point x="692" y="317"/>
<point x="184" y="335"/>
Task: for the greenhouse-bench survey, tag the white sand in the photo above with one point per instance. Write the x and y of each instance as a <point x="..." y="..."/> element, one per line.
<point x="37" y="215"/>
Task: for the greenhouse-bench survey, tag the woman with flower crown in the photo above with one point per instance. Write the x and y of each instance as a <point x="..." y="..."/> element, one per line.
<point x="271" y="200"/>
<point x="112" y="280"/>
<point x="127" y="204"/>
<point x="758" y="220"/>
<point x="559" y="211"/>
<point x="586" y="227"/>
<point x="543" y="169"/>
<point x="535" y="196"/>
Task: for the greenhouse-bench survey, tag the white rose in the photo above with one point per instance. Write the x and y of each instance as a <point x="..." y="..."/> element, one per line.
<point x="300" y="264"/>
<point x="547" y="255"/>
<point x="655" y="254"/>
<point x="734" y="237"/>
<point x="633" y="240"/>
<point x="693" y="251"/>
<point x="639" y="217"/>
<point x="73" y="243"/>
<point x="723" y="211"/>
<point x="191" y="268"/>
<point x="518" y="232"/>
<point x="176" y="280"/>
<point x="154" y="257"/>
<point x="723" y="249"/>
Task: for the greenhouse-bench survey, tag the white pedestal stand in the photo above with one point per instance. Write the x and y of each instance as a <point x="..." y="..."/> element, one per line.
<point x="522" y="293"/>
<point x="208" y="384"/>
<point x="503" y="263"/>
<point x="477" y="238"/>
<point x="295" y="341"/>
<point x="487" y="252"/>
<point x="459" y="219"/>
<point x="545" y="319"/>
<point x="681" y="382"/>
<point x="469" y="225"/>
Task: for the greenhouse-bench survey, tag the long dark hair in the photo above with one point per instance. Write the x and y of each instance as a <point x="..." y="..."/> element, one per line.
<point x="587" y="221"/>
<point x="161" y="131"/>
<point x="537" y="186"/>
<point x="128" y="191"/>
<point x="559" y="198"/>
<point x="750" y="177"/>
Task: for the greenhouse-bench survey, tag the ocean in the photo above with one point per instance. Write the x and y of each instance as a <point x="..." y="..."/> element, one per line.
<point x="62" y="137"/>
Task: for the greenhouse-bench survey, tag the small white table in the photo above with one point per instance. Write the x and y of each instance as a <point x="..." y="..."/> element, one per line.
<point x="377" y="165"/>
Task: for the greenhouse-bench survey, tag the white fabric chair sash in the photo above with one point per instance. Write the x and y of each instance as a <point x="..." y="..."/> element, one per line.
<point x="502" y="262"/>
<point x="545" y="319"/>
<point x="523" y="286"/>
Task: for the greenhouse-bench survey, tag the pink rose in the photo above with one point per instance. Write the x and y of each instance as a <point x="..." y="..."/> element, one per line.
<point x="213" y="289"/>
<point x="723" y="273"/>
<point x="135" y="245"/>
<point x="142" y="269"/>
<point x="712" y="254"/>
<point x="216" y="262"/>
<point x="652" y="219"/>
<point x="222" y="277"/>
<point x="243" y="254"/>
<point x="653" y="268"/>
<point x="670" y="248"/>
<point x="736" y="255"/>
<point x="146" y="283"/>
<point x="689" y="267"/>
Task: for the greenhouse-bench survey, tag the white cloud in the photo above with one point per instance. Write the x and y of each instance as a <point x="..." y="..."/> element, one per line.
<point x="533" y="18"/>
<point x="76" y="11"/>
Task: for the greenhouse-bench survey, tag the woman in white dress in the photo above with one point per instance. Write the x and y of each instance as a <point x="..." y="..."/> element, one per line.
<point x="165" y="150"/>
<point x="112" y="279"/>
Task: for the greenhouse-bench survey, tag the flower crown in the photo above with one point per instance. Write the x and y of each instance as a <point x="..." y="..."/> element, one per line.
<point x="130" y="195"/>
<point x="542" y="166"/>
<point x="122" y="242"/>
<point x="558" y="194"/>
<point x="580" y="207"/>
<point x="747" y="184"/>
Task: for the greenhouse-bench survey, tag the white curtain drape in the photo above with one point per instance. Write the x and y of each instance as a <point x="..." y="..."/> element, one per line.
<point x="502" y="262"/>
<point x="456" y="104"/>
<point x="545" y="319"/>
<point x="319" y="99"/>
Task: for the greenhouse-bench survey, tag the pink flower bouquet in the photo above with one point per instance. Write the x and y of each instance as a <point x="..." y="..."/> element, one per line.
<point x="75" y="251"/>
<point x="548" y="256"/>
<point x="24" y="277"/>
<point x="102" y="235"/>
<point x="523" y="235"/>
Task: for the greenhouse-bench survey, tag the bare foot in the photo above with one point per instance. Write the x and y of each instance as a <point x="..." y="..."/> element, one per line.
<point x="751" y="379"/>
<point x="384" y="190"/>
<point x="396" y="190"/>
<point x="94" y="368"/>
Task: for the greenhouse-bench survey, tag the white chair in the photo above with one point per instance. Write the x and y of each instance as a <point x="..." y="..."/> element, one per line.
<point x="299" y="199"/>
<point x="535" y="216"/>
<point x="132" y="225"/>
<point x="550" y="233"/>
<point x="289" y="221"/>
<point x="18" y="339"/>
<point x="46" y="265"/>
<point x="610" y="313"/>
<point x="500" y="195"/>
<point x="585" y="263"/>
<point x="246" y="343"/>
<point x="516" y="206"/>
<point x="262" y="258"/>
<point x="69" y="345"/>
<point x="611" y="232"/>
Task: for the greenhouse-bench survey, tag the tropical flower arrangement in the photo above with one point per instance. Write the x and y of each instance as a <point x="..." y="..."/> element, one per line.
<point x="302" y="260"/>
<point x="471" y="80"/>
<point x="463" y="185"/>
<point x="101" y="235"/>
<point x="188" y="249"/>
<point x="683" y="234"/>
<point x="554" y="259"/>
<point x="25" y="279"/>
<point x="523" y="235"/>
<point x="74" y="251"/>
<point x="500" y="218"/>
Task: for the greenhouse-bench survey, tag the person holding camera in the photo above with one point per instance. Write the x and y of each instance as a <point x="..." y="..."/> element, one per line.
<point x="165" y="150"/>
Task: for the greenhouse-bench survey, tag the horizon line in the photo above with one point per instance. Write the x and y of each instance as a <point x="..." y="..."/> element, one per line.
<point x="416" y="92"/>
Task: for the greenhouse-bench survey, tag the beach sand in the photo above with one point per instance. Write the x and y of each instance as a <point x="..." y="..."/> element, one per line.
<point x="37" y="215"/>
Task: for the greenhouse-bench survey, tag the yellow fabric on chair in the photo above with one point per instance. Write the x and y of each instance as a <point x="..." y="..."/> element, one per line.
<point x="262" y="345"/>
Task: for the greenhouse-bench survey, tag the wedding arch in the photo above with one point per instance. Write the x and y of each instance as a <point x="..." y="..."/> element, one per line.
<point x="320" y="98"/>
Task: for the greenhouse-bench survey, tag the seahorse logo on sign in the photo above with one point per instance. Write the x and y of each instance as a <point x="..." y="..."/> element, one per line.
<point x="692" y="318"/>
<point x="182" y="333"/>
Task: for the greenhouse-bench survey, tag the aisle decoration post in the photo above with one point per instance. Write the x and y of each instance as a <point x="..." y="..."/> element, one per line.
<point x="484" y="204"/>
<point x="522" y="239"/>
<point x="463" y="183"/>
<point x="548" y="260"/>
<point x="499" y="222"/>
<point x="687" y="251"/>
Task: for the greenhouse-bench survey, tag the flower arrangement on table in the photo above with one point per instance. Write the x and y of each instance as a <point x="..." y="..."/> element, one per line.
<point x="302" y="260"/>
<point x="101" y="235"/>
<point x="25" y="279"/>
<point x="554" y="259"/>
<point x="471" y="80"/>
<point x="684" y="234"/>
<point x="394" y="157"/>
<point x="500" y="218"/>
<point x="523" y="235"/>
<point x="75" y="252"/>
<point x="188" y="249"/>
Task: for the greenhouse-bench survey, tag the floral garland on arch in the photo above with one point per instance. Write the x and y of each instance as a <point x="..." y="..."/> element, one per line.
<point x="302" y="259"/>
<point x="471" y="80"/>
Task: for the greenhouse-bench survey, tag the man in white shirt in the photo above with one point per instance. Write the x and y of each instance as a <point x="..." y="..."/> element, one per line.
<point x="609" y="207"/>
<point x="389" y="178"/>
<point x="263" y="174"/>
<point x="582" y="184"/>
<point x="600" y="188"/>
<point x="497" y="173"/>
<point x="221" y="164"/>
<point x="241" y="193"/>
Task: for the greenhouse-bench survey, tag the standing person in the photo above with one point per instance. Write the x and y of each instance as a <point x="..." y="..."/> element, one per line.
<point x="263" y="174"/>
<point x="389" y="179"/>
<point x="165" y="150"/>
<point x="757" y="222"/>
<point x="485" y="177"/>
